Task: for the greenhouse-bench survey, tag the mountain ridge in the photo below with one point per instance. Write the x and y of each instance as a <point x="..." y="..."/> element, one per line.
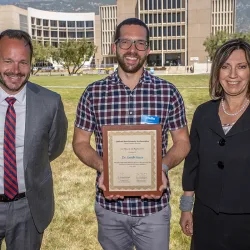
<point x="61" y="5"/>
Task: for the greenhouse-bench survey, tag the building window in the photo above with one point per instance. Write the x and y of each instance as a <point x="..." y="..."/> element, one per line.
<point x="39" y="33"/>
<point x="45" y="22"/>
<point x="159" y="31"/>
<point x="53" y="33"/>
<point x="183" y="33"/>
<point x="89" y="34"/>
<point x="150" y="18"/>
<point x="45" y="33"/>
<point x="178" y="44"/>
<point x="160" y="45"/>
<point x="159" y="18"/>
<point x="80" y="24"/>
<point x="151" y="44"/>
<point x="173" y="4"/>
<point x="174" y="18"/>
<point x="183" y="3"/>
<point x="62" y="24"/>
<point x="146" y="18"/>
<point x="169" y="45"/>
<point x="179" y="17"/>
<point x="23" y="22"/>
<point x="183" y="16"/>
<point x="164" y="17"/>
<point x="146" y="4"/>
<point x="169" y="17"/>
<point x="62" y="34"/>
<point x="53" y="23"/>
<point x="174" y="31"/>
<point x="155" y="31"/>
<point x="155" y="4"/>
<point x="183" y="43"/>
<point x="150" y="5"/>
<point x="164" y="44"/>
<point x="178" y="30"/>
<point x="169" y="31"/>
<point x="80" y="34"/>
<point x="155" y="45"/>
<point x="159" y="4"/>
<point x="169" y="4"/>
<point x="38" y="21"/>
<point x="155" y="18"/>
<point x="164" y="4"/>
<point x="174" y="44"/>
<point x="178" y="4"/>
<point x="71" y="24"/>
<point x="150" y="31"/>
<point x="32" y="20"/>
<point x="89" y="24"/>
<point x="72" y="35"/>
<point x="164" y="31"/>
<point x="55" y="44"/>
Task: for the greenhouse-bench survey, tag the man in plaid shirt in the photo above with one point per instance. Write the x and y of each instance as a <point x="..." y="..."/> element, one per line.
<point x="121" y="99"/>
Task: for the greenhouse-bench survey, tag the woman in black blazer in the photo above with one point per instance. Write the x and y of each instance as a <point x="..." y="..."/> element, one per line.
<point x="217" y="169"/>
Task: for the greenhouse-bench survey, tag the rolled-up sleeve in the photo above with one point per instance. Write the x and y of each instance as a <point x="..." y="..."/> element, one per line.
<point x="85" y="118"/>
<point x="177" y="115"/>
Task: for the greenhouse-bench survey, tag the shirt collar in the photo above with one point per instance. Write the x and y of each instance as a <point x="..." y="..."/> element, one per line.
<point x="117" y="80"/>
<point x="20" y="96"/>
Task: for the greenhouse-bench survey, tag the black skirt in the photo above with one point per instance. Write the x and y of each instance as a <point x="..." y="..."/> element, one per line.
<point x="213" y="231"/>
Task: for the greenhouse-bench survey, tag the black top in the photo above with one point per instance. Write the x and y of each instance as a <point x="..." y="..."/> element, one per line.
<point x="218" y="165"/>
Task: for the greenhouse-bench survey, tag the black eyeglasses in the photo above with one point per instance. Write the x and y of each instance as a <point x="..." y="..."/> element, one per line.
<point x="126" y="44"/>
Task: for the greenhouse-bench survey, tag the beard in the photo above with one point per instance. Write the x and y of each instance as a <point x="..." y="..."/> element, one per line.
<point x="127" y="68"/>
<point x="18" y="87"/>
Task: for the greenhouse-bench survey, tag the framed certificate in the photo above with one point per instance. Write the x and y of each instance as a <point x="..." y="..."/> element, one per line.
<point x="132" y="159"/>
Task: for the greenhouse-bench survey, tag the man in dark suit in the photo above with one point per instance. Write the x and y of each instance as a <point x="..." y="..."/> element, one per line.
<point x="33" y="132"/>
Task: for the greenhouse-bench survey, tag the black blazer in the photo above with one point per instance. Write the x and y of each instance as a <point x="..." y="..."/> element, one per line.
<point x="218" y="165"/>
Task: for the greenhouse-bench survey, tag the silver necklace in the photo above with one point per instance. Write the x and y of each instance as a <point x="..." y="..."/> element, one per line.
<point x="236" y="113"/>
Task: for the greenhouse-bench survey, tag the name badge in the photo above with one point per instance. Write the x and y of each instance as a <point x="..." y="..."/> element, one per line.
<point x="146" y="119"/>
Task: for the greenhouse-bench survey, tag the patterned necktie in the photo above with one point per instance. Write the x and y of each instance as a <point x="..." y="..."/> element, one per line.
<point x="10" y="171"/>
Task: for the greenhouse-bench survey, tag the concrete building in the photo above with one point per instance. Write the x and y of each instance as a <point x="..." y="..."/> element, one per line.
<point x="108" y="22"/>
<point x="205" y="18"/>
<point x="12" y="17"/>
<point x="55" y="27"/>
<point x="178" y="28"/>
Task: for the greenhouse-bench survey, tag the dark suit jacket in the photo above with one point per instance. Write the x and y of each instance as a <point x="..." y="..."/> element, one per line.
<point x="218" y="165"/>
<point x="45" y="137"/>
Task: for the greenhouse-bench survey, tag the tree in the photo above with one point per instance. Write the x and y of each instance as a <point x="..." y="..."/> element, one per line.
<point x="213" y="42"/>
<point x="41" y="54"/>
<point x="73" y="54"/>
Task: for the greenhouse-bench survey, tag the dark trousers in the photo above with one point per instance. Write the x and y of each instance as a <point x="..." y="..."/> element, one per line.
<point x="221" y="231"/>
<point x="17" y="226"/>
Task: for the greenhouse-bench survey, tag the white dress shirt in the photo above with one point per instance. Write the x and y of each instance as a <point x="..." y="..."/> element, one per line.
<point x="20" y="109"/>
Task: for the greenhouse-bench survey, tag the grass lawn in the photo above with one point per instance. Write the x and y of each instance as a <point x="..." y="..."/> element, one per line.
<point x="74" y="226"/>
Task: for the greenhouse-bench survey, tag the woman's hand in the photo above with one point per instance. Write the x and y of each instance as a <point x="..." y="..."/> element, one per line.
<point x="186" y="223"/>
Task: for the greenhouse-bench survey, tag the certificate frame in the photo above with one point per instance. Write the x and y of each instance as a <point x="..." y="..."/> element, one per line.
<point x="111" y="152"/>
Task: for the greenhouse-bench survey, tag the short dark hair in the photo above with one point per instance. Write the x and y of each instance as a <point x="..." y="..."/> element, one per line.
<point x="130" y="21"/>
<point x="221" y="55"/>
<point x="19" y="35"/>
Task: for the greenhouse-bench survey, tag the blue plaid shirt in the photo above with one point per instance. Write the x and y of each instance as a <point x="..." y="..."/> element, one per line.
<point x="110" y="102"/>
